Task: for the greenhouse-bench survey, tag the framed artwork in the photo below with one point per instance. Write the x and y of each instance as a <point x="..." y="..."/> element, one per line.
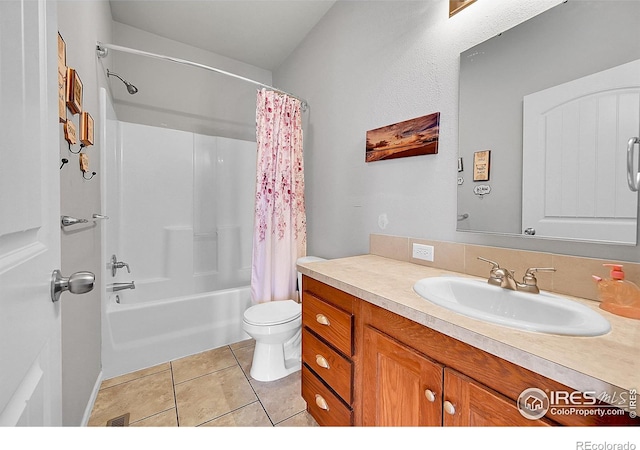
<point x="62" y="77"/>
<point x="455" y="6"/>
<point x="413" y="137"/>
<point x="74" y="91"/>
<point x="86" y="129"/>
<point x="481" y="165"/>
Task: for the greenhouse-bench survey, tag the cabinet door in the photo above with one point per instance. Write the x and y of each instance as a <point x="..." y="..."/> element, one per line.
<point x="468" y="403"/>
<point x="401" y="387"/>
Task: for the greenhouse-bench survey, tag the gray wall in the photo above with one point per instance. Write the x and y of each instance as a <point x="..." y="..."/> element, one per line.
<point x="370" y="64"/>
<point x="81" y="23"/>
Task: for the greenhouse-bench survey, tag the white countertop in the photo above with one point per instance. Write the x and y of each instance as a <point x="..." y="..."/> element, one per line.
<point x="608" y="363"/>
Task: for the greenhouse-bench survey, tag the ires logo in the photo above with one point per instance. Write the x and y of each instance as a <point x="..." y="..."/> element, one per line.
<point x="534" y="403"/>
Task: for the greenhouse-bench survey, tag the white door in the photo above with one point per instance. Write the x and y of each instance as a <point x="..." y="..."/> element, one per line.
<point x="30" y="391"/>
<point x="575" y="150"/>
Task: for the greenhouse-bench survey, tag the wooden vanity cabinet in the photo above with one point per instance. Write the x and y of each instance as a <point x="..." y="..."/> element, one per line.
<point x="327" y="353"/>
<point x="400" y="386"/>
<point x="386" y="370"/>
<point x="471" y="404"/>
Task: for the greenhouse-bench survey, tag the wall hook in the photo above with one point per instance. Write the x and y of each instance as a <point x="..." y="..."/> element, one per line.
<point x="75" y="153"/>
<point x="93" y="174"/>
<point x="64" y="161"/>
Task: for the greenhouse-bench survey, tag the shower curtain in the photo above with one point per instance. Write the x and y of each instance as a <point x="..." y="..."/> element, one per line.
<point x="280" y="235"/>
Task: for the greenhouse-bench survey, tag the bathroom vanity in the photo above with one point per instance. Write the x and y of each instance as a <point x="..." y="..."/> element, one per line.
<point x="377" y="354"/>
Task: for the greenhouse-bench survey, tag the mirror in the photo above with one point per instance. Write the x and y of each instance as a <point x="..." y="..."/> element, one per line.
<point x="560" y="47"/>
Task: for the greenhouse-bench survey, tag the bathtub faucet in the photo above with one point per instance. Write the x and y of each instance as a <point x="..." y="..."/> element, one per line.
<point x="114" y="265"/>
<point x="122" y="286"/>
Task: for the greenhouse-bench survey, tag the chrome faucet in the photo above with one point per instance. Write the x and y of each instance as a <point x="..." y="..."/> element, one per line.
<point x="115" y="287"/>
<point x="505" y="278"/>
<point x="114" y="265"/>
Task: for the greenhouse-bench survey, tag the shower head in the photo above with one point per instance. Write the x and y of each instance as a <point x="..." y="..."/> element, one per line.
<point x="130" y="87"/>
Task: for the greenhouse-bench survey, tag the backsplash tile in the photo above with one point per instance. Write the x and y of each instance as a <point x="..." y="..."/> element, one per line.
<point x="447" y="255"/>
<point x="572" y="276"/>
<point x="394" y="247"/>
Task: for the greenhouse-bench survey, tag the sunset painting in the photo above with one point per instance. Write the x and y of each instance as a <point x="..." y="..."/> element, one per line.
<point x="409" y="138"/>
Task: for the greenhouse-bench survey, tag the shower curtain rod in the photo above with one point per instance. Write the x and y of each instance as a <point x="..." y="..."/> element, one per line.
<point x="101" y="50"/>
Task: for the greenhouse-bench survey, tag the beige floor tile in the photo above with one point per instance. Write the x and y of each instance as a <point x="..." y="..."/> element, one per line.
<point x="164" y="419"/>
<point x="241" y="344"/>
<point x="142" y="397"/>
<point x="210" y="396"/>
<point x="245" y="357"/>
<point x="133" y="375"/>
<point x="252" y="415"/>
<point x="302" y="419"/>
<point x="203" y="363"/>
<point x="281" y="398"/>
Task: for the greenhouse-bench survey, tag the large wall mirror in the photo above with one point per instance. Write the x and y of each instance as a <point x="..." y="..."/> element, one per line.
<point x="546" y="111"/>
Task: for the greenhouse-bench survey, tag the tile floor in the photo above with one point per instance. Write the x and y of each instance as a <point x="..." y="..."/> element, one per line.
<point x="211" y="389"/>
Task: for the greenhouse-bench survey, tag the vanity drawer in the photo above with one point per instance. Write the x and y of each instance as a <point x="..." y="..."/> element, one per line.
<point x="325" y="407"/>
<point x="333" y="368"/>
<point x="331" y="323"/>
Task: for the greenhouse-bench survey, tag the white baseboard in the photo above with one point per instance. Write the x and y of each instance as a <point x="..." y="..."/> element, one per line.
<point x="92" y="400"/>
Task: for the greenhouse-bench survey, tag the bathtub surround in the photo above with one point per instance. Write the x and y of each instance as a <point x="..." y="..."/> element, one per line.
<point x="180" y="209"/>
<point x="280" y="234"/>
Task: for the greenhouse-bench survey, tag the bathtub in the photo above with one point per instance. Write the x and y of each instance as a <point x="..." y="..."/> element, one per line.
<point x="141" y="332"/>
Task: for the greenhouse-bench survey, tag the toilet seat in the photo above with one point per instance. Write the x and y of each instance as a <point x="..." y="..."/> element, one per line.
<point x="273" y="313"/>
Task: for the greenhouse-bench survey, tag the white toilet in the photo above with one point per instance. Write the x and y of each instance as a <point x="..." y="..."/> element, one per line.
<point x="277" y="329"/>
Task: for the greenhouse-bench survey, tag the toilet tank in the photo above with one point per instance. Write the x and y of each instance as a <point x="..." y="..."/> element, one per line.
<point x="305" y="259"/>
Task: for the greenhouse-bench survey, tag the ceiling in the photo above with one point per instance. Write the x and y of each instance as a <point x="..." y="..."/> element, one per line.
<point x="262" y="33"/>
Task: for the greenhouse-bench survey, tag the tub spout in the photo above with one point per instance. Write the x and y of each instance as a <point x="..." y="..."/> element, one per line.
<point x="122" y="286"/>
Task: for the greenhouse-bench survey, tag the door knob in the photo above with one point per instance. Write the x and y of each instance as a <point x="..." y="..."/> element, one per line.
<point x="77" y="283"/>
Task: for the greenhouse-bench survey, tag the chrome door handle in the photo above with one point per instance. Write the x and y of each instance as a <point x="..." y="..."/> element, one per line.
<point x="77" y="283"/>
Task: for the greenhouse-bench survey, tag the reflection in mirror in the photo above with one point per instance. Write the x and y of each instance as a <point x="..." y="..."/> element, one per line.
<point x="562" y="46"/>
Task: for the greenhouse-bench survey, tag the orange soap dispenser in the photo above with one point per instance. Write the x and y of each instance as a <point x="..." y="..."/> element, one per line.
<point x="617" y="295"/>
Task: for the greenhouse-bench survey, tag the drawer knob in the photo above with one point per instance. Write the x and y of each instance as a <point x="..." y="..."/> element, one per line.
<point x="322" y="319"/>
<point x="322" y="361"/>
<point x="449" y="408"/>
<point x="430" y="395"/>
<point x="321" y="402"/>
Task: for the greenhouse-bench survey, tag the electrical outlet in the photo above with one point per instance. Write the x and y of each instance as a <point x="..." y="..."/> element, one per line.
<point x="421" y="251"/>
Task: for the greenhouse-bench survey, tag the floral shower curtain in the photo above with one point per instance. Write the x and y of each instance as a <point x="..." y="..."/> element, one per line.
<point x="280" y="235"/>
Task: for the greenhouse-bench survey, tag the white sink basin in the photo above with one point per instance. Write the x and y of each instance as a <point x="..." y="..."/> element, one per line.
<point x="543" y="312"/>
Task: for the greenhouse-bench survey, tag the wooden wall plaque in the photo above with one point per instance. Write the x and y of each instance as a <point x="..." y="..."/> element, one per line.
<point x="86" y="129"/>
<point x="74" y="91"/>
<point x="62" y="80"/>
<point x="70" y="132"/>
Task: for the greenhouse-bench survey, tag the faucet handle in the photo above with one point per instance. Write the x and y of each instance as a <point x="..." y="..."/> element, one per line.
<point x="529" y="278"/>
<point x="493" y="263"/>
<point x="497" y="274"/>
<point x="120" y="265"/>
<point x="532" y="270"/>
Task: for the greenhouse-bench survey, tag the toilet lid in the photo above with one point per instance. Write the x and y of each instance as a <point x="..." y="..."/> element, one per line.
<point x="272" y="313"/>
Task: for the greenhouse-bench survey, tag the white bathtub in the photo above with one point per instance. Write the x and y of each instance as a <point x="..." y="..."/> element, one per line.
<point x="145" y="333"/>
